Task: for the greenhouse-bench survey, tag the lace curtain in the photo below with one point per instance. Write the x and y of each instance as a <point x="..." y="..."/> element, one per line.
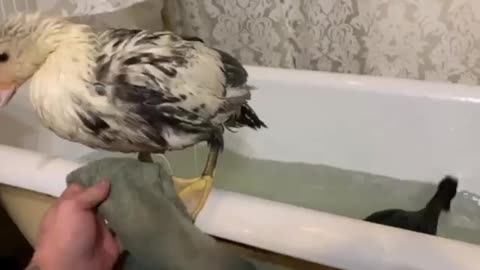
<point x="100" y="13"/>
<point x="433" y="40"/>
<point x="64" y="7"/>
<point x="418" y="39"/>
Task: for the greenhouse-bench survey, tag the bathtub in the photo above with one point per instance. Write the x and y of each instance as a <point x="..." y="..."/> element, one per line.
<point x="399" y="128"/>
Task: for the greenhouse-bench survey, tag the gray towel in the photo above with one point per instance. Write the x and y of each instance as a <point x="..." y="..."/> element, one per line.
<point x="151" y="221"/>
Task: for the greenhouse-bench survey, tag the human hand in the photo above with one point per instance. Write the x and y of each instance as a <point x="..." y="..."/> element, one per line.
<point x="72" y="236"/>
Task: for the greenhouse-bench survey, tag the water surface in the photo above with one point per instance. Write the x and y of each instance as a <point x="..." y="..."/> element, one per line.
<point x="333" y="190"/>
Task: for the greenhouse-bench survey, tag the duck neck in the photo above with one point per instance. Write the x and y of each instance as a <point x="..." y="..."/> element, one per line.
<point x="65" y="73"/>
<point x="434" y="208"/>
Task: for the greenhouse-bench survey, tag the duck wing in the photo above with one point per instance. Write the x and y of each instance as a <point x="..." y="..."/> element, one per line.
<point x="159" y="71"/>
<point x="160" y="81"/>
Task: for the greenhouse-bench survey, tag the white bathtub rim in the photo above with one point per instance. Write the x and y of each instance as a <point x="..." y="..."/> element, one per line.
<point x="367" y="83"/>
<point x="226" y="216"/>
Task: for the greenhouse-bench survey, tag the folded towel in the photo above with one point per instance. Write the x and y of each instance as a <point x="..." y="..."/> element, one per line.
<point x="151" y="221"/>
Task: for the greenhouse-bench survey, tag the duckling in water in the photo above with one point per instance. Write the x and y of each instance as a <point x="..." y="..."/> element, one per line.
<point x="424" y="220"/>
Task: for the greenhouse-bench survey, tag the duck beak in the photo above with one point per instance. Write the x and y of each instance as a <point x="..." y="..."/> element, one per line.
<point x="6" y="94"/>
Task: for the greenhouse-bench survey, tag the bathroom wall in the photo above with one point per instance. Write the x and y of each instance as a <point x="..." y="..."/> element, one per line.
<point x="432" y="40"/>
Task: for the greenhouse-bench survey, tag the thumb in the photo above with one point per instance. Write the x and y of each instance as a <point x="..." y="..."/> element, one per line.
<point x="94" y="195"/>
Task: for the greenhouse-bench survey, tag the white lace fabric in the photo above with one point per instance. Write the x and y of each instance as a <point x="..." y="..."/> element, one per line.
<point x="63" y="7"/>
<point x="432" y="40"/>
<point x="418" y="39"/>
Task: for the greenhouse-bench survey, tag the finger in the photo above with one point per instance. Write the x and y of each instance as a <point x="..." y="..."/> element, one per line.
<point x="102" y="224"/>
<point x="111" y="234"/>
<point x="94" y="195"/>
<point x="118" y="243"/>
<point x="104" y="229"/>
<point x="109" y="240"/>
<point x="71" y="190"/>
<point x="111" y="245"/>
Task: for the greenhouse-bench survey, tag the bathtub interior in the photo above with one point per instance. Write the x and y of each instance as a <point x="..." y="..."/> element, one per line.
<point x="325" y="188"/>
<point x="347" y="145"/>
<point x="351" y="150"/>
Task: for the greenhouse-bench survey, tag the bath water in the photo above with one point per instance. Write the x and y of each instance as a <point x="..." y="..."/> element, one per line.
<point x="324" y="188"/>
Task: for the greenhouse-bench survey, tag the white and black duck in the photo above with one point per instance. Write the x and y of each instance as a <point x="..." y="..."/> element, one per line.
<point x="126" y="90"/>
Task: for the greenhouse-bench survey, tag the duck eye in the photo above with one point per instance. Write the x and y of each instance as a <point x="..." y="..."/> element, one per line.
<point x="3" y="57"/>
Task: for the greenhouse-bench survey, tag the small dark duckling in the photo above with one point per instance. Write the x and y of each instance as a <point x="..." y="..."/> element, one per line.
<point x="424" y="220"/>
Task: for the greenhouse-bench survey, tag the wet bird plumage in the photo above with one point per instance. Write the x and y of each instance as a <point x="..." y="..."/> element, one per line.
<point x="127" y="90"/>
<point x="174" y="93"/>
<point x="132" y="90"/>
